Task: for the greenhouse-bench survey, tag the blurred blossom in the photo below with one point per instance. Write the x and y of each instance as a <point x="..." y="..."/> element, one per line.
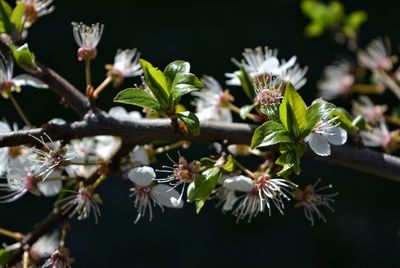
<point x="367" y="109"/>
<point x="212" y="102"/>
<point x="35" y="9"/>
<point x="46" y="245"/>
<point x="337" y="80"/>
<point x="376" y="56"/>
<point x="380" y="136"/>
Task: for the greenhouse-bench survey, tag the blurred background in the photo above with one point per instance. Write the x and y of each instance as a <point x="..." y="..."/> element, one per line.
<point x="363" y="231"/>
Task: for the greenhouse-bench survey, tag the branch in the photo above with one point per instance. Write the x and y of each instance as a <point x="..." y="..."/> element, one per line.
<point x="149" y="130"/>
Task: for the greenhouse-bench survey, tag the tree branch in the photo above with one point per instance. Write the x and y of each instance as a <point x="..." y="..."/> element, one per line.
<point x="149" y="130"/>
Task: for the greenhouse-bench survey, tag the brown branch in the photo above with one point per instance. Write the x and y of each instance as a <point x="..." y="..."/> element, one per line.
<point x="149" y="130"/>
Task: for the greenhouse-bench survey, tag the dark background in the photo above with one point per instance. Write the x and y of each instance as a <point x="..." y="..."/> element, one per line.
<point x="363" y="232"/>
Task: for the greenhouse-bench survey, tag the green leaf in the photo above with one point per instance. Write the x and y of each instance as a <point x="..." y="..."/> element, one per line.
<point x="17" y="16"/>
<point x="292" y="111"/>
<point x="343" y="118"/>
<point x="359" y="123"/>
<point x="202" y="187"/>
<point x="174" y="68"/>
<point x="5" y="256"/>
<point x="157" y="83"/>
<point x="23" y="56"/>
<point x="314" y="29"/>
<point x="272" y="111"/>
<point x="230" y="164"/>
<point x="138" y="97"/>
<point x="270" y="133"/>
<point x="191" y="122"/>
<point x="246" y="82"/>
<point x="245" y="110"/>
<point x="316" y="112"/>
<point x="184" y="83"/>
<point x="5" y="13"/>
<point x="207" y="162"/>
<point x="287" y="161"/>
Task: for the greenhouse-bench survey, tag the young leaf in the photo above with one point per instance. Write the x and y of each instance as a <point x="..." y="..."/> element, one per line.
<point x="287" y="161"/>
<point x="270" y="133"/>
<point x="184" y="83"/>
<point x="5" y="256"/>
<point x="247" y="83"/>
<point x="5" y="13"/>
<point x="292" y="111"/>
<point x="344" y="119"/>
<point x="201" y="188"/>
<point x="191" y="122"/>
<point x="230" y="164"/>
<point x="174" y="68"/>
<point x="138" y="97"/>
<point x="23" y="56"/>
<point x="17" y="16"/>
<point x="157" y="83"/>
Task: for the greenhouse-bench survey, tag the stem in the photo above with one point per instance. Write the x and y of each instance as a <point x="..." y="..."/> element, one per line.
<point x="392" y="120"/>
<point x="64" y="234"/>
<point x="367" y="89"/>
<point x="25" y="259"/>
<point x="251" y="116"/>
<point x="14" y="235"/>
<point x="244" y="169"/>
<point x="19" y="110"/>
<point x="390" y="83"/>
<point x="102" y="86"/>
<point x="169" y="147"/>
<point x="88" y="73"/>
<point x="99" y="181"/>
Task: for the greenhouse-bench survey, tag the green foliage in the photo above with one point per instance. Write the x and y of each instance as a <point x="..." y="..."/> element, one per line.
<point x="247" y="83"/>
<point x="289" y="126"/>
<point x="23" y="56"/>
<point x="138" y="97"/>
<point x="191" y="122"/>
<point x="17" y="17"/>
<point x="202" y="187"/>
<point x="166" y="90"/>
<point x="331" y="16"/>
<point x="5" y="14"/>
<point x="5" y="256"/>
<point x="12" y="20"/>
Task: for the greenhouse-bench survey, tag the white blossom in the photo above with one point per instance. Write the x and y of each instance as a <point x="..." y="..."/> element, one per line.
<point x="311" y="199"/>
<point x="52" y="185"/>
<point x="81" y="203"/>
<point x="259" y="194"/>
<point x="57" y="260"/>
<point x="258" y="62"/>
<point x="212" y="102"/>
<point x="45" y="245"/>
<point x="20" y="180"/>
<point x="87" y="38"/>
<point x="85" y="152"/>
<point x="324" y="134"/>
<point x="181" y="173"/>
<point x="9" y="84"/>
<point x="376" y="56"/>
<point x="35" y="9"/>
<point x="337" y="80"/>
<point x="379" y="136"/>
<point x="147" y="195"/>
<point x="126" y="64"/>
<point x="367" y="109"/>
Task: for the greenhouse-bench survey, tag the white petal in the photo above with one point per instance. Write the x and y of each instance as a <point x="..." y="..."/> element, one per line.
<point x="4" y="127"/>
<point x="164" y="195"/>
<point x="3" y="160"/>
<point x="229" y="201"/>
<point x="319" y="144"/>
<point x="28" y="80"/>
<point x="239" y="183"/>
<point x="139" y="155"/>
<point x="50" y="187"/>
<point x="142" y="176"/>
<point x="57" y="121"/>
<point x="118" y="111"/>
<point x="338" y="136"/>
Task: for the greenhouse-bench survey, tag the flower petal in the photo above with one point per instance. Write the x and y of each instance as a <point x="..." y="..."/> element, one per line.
<point x="28" y="80"/>
<point x="139" y="155"/>
<point x="164" y="194"/>
<point x="338" y="136"/>
<point x="230" y="200"/>
<point x="319" y="144"/>
<point x="239" y="183"/>
<point x="50" y="187"/>
<point x="142" y="176"/>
